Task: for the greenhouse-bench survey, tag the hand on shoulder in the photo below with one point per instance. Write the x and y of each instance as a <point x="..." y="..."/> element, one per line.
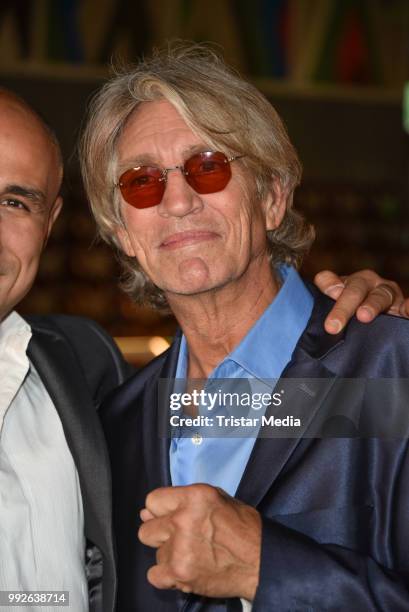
<point x="364" y="294"/>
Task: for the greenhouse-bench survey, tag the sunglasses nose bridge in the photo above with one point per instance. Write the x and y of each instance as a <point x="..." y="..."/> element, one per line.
<point x="179" y="199"/>
<point x="165" y="172"/>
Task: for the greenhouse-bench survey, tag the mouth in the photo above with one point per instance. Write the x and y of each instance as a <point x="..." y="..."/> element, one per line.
<point x="182" y="239"/>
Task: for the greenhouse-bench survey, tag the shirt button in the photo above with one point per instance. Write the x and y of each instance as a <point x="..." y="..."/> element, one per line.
<point x="196" y="439"/>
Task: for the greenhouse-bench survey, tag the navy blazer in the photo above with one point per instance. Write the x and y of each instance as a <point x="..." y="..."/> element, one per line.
<point x="335" y="510"/>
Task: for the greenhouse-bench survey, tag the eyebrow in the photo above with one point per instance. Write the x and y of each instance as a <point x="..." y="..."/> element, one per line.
<point x="35" y="195"/>
<point x="145" y="158"/>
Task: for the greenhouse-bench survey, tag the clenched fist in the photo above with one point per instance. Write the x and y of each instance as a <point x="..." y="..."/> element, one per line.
<point x="207" y="542"/>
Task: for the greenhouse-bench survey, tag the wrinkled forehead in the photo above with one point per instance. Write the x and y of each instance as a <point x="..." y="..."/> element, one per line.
<point x="157" y="133"/>
<point x="149" y="121"/>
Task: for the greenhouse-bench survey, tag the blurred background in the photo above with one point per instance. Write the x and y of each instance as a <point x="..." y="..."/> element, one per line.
<point x="334" y="69"/>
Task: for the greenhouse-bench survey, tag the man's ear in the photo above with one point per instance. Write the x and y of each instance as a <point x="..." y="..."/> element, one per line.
<point x="52" y="217"/>
<point x="275" y="205"/>
<point x="124" y="241"/>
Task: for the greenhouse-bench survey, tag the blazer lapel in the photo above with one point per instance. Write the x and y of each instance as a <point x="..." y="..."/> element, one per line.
<point x="306" y="383"/>
<point x="64" y="381"/>
<point x="156" y="438"/>
<point x="305" y="387"/>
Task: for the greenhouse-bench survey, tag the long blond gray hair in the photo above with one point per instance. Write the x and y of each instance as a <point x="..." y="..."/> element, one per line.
<point x="227" y="112"/>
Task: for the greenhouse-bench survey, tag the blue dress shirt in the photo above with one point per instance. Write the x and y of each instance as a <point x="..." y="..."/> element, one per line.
<point x="260" y="358"/>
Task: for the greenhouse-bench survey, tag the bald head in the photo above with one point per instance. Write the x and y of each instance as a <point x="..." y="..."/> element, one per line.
<point x="12" y="103"/>
<point x="30" y="180"/>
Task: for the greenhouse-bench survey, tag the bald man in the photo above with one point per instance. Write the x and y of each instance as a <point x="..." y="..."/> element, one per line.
<point x="55" y="532"/>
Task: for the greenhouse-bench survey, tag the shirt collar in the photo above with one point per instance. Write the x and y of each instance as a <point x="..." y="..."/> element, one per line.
<point x="269" y="344"/>
<point x="15" y="334"/>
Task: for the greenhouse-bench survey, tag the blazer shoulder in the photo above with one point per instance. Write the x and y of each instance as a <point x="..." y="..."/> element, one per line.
<point x="162" y="366"/>
<point x="66" y="325"/>
<point x="134" y="385"/>
<point x="391" y="327"/>
<point x="130" y="397"/>
<point x="96" y="352"/>
<point x="389" y="332"/>
<point x="377" y="349"/>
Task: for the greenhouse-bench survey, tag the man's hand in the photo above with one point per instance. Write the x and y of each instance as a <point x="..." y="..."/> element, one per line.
<point x="207" y="542"/>
<point x="364" y="293"/>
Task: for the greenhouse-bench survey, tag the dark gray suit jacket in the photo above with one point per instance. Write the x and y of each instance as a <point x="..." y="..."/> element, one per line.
<point x="79" y="364"/>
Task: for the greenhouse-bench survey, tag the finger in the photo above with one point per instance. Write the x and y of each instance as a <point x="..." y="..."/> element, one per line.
<point x="353" y="295"/>
<point x="161" y="577"/>
<point x="146" y="515"/>
<point x="380" y="299"/>
<point x="396" y="292"/>
<point x="404" y="309"/>
<point x="398" y="298"/>
<point x="155" y="532"/>
<point x="329" y="283"/>
<point x="165" y="500"/>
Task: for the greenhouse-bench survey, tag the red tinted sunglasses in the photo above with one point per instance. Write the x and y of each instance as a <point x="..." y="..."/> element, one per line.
<point x="206" y="172"/>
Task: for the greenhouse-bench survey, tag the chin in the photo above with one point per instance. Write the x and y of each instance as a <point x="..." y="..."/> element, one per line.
<point x="187" y="291"/>
<point x="194" y="289"/>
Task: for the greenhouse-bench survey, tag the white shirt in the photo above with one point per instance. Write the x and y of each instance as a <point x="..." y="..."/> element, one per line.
<point x="41" y="517"/>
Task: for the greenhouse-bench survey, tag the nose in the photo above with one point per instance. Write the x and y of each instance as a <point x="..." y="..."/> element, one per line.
<point x="179" y="198"/>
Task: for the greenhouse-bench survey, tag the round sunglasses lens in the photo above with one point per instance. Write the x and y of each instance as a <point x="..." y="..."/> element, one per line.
<point x="141" y="187"/>
<point x="208" y="172"/>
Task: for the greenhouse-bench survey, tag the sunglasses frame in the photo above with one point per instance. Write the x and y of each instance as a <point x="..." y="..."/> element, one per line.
<point x="182" y="168"/>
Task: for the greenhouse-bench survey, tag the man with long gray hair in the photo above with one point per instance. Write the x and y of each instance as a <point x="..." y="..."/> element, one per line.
<point x="276" y="502"/>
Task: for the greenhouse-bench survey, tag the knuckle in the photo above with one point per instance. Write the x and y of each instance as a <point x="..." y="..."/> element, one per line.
<point x="211" y="494"/>
<point x="354" y="291"/>
<point x="179" y="520"/>
<point x="221" y="493"/>
<point x="182" y="568"/>
<point x="149" y="499"/>
<point x="383" y="296"/>
<point x="375" y="303"/>
<point x="199" y="491"/>
<point x="142" y="533"/>
<point x="384" y="289"/>
<point x="146" y="535"/>
<point x="154" y="576"/>
<point x="391" y="284"/>
<point x="368" y="274"/>
<point x="324" y="276"/>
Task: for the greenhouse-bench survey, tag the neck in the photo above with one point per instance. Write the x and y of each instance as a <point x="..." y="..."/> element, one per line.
<point x="215" y="322"/>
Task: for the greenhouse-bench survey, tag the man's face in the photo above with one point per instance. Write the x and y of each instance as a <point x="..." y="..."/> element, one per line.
<point x="29" y="182"/>
<point x="189" y="243"/>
